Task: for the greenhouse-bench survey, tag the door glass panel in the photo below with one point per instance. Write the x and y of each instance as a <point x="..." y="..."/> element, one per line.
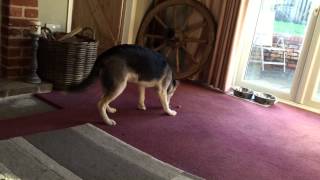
<point x="277" y="43"/>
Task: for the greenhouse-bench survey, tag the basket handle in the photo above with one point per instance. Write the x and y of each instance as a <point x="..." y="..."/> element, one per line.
<point x="74" y="32"/>
<point x="79" y="30"/>
<point x="47" y="33"/>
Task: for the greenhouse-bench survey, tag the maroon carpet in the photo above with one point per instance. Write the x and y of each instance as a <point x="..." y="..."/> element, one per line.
<point x="214" y="135"/>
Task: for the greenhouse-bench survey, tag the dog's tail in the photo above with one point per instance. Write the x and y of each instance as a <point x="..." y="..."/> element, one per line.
<point x="90" y="79"/>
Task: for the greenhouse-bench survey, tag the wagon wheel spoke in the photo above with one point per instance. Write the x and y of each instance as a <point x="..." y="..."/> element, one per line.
<point x="161" y="46"/>
<point x="195" y="40"/>
<point x="186" y="20"/>
<point x="195" y="26"/>
<point x="177" y="60"/>
<point x="174" y="16"/>
<point x="154" y="36"/>
<point x="161" y="22"/>
<point x="168" y="52"/>
<point x="190" y="55"/>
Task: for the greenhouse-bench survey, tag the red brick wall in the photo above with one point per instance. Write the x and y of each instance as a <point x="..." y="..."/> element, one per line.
<point x="293" y="47"/>
<point x="17" y="18"/>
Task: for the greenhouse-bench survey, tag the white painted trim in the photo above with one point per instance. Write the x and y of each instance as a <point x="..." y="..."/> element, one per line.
<point x="69" y="15"/>
<point x="134" y="14"/>
<point x="301" y="106"/>
<point x="129" y="19"/>
<point x="301" y="78"/>
<point x="312" y="76"/>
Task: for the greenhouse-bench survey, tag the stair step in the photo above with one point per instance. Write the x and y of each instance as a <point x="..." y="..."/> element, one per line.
<point x="9" y="88"/>
<point x="21" y="160"/>
<point x="94" y="154"/>
<point x="5" y="173"/>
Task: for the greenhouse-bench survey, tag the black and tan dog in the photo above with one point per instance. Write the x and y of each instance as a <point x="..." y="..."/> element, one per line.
<point x="131" y="63"/>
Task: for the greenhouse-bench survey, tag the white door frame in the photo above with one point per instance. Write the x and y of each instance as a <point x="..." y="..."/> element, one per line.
<point x="69" y="15"/>
<point x="128" y="23"/>
<point x="311" y="76"/>
<point x="302" y="77"/>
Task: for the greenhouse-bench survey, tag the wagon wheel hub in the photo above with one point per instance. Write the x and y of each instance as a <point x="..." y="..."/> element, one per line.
<point x="174" y="38"/>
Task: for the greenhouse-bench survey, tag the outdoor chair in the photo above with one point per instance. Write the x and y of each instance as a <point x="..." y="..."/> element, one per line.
<point x="280" y="47"/>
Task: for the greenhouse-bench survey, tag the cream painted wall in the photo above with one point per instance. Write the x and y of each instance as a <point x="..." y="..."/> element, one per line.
<point x="135" y="10"/>
<point x="54" y="12"/>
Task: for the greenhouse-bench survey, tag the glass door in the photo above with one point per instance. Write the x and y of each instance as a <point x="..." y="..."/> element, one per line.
<point x="281" y="34"/>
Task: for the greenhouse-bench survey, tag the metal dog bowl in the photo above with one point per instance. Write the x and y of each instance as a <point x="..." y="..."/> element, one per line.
<point x="264" y="98"/>
<point x="242" y="92"/>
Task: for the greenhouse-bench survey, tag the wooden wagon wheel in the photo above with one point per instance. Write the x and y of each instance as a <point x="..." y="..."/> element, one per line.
<point x="183" y="31"/>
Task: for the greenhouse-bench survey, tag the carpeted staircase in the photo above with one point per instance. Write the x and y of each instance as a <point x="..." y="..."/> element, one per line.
<point x="80" y="152"/>
<point x="21" y="160"/>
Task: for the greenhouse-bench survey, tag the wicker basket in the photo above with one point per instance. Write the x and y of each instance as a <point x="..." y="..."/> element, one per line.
<point x="66" y="63"/>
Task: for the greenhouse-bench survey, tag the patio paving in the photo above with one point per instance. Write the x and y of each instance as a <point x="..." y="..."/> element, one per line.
<point x="272" y="77"/>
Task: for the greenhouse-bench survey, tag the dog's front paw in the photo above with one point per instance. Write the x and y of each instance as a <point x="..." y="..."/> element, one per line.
<point x="142" y="107"/>
<point x="172" y="113"/>
<point x="111" y="110"/>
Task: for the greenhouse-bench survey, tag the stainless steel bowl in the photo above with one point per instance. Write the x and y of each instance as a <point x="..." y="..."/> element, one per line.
<point x="264" y="98"/>
<point x="242" y="92"/>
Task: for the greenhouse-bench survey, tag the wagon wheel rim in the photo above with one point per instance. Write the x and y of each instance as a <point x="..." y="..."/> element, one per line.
<point x="176" y="39"/>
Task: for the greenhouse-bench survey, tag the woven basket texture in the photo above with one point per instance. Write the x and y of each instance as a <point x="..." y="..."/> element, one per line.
<point x="66" y="63"/>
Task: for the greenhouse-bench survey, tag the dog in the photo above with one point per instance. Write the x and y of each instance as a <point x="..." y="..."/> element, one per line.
<point x="131" y="63"/>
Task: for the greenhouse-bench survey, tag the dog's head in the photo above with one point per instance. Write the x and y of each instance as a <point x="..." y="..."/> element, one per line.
<point x="172" y="87"/>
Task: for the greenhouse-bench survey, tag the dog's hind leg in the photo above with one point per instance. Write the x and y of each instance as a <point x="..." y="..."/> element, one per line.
<point x="111" y="109"/>
<point x="164" y="101"/>
<point x="102" y="106"/>
<point x="141" y="104"/>
<point x="108" y="108"/>
<point x="109" y="96"/>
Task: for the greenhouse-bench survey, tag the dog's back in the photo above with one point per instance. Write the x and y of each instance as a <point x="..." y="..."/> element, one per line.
<point x="147" y="64"/>
<point x="116" y="63"/>
<point x="136" y="63"/>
